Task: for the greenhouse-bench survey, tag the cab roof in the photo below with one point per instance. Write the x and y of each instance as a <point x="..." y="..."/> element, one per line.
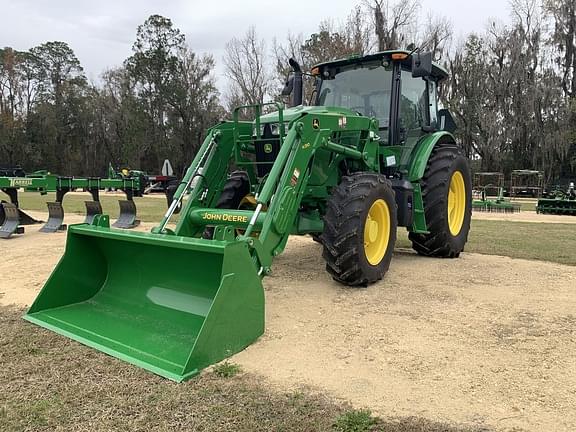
<point x="438" y="71"/>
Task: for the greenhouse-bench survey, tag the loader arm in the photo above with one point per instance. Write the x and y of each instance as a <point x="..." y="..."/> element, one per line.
<point x="281" y="195"/>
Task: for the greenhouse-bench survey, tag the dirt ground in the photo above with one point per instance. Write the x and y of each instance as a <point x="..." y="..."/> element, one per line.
<point x="482" y="340"/>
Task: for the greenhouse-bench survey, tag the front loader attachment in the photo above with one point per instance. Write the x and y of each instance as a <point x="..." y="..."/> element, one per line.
<point x="169" y="304"/>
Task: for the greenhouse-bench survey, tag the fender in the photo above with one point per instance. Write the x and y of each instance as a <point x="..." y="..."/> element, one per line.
<point x="416" y="171"/>
<point x="423" y="151"/>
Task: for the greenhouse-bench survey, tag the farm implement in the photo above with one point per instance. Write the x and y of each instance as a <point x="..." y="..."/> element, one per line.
<point x="490" y="188"/>
<point x="12" y="217"/>
<point x="561" y="203"/>
<point x="497" y="205"/>
<point x="372" y="153"/>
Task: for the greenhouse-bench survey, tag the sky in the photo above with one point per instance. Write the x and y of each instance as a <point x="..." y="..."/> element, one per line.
<point x="101" y="32"/>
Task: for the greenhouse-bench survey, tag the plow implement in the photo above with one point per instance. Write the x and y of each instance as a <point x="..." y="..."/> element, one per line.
<point x="9" y="220"/>
<point x="127" y="217"/>
<point x="12" y="218"/>
<point x="45" y="183"/>
<point x="55" y="220"/>
<point x="93" y="208"/>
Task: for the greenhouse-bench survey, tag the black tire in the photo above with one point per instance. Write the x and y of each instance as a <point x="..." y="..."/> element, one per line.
<point x="344" y="229"/>
<point x="235" y="189"/>
<point x="170" y="192"/>
<point x="445" y="160"/>
<point x="316" y="237"/>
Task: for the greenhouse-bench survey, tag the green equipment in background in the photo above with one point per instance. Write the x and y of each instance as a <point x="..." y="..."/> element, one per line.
<point x="490" y="188"/>
<point x="371" y="153"/>
<point x="561" y="203"/>
<point x="497" y="205"/>
<point x="44" y="182"/>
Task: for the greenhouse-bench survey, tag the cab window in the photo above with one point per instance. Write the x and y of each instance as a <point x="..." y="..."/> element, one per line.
<point x="413" y="103"/>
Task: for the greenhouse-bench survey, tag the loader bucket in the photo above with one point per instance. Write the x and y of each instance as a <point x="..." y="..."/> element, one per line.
<point x="172" y="305"/>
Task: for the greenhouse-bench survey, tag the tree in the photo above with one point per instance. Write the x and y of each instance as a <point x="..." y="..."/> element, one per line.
<point x="563" y="37"/>
<point x="195" y="105"/>
<point x="436" y="36"/>
<point x="153" y="68"/>
<point x="11" y="117"/>
<point x="393" y="23"/>
<point x="247" y="70"/>
<point x="54" y="127"/>
<point x="331" y="41"/>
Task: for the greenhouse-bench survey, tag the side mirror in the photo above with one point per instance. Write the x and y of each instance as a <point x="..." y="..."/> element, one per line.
<point x="289" y="86"/>
<point x="421" y="64"/>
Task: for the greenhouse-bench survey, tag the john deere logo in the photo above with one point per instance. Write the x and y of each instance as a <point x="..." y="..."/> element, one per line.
<point x="315" y="123"/>
<point x="267" y="148"/>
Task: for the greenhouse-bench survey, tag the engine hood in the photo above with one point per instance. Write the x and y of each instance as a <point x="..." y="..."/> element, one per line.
<point x="293" y="113"/>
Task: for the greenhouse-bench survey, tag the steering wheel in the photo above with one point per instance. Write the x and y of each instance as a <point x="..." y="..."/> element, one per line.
<point x="370" y="113"/>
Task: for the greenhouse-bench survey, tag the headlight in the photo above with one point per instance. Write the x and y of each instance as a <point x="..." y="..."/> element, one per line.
<point x="274" y="129"/>
<point x="254" y="132"/>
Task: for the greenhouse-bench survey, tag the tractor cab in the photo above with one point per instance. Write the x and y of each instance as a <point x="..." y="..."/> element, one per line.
<point x="398" y="88"/>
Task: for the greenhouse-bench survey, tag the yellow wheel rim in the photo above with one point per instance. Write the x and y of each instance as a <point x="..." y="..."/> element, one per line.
<point x="456" y="203"/>
<point x="249" y="203"/>
<point x="377" y="232"/>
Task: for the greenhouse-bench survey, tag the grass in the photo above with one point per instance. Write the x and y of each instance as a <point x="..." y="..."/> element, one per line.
<point x="537" y="241"/>
<point x="50" y="383"/>
<point x="355" y="421"/>
<point x="526" y="205"/>
<point x="226" y="369"/>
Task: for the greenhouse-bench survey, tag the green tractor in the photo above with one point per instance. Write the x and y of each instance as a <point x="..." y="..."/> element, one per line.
<point x="371" y="153"/>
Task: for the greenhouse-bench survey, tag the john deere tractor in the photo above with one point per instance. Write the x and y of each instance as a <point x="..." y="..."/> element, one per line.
<point x="370" y="153"/>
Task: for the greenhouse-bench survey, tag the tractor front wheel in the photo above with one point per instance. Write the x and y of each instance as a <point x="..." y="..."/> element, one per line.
<point x="236" y="188"/>
<point x="360" y="229"/>
<point x="447" y="196"/>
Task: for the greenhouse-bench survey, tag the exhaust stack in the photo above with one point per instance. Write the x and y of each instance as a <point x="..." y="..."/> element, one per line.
<point x="297" y="86"/>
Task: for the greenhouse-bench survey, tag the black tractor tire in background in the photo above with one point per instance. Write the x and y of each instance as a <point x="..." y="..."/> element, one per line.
<point x="235" y="189"/>
<point x="445" y="160"/>
<point x="344" y="229"/>
<point x="170" y="192"/>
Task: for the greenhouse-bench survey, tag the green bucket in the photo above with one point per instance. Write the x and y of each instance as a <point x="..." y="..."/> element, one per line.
<point x="172" y="305"/>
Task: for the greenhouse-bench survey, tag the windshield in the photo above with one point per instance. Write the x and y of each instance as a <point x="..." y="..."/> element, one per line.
<point x="365" y="90"/>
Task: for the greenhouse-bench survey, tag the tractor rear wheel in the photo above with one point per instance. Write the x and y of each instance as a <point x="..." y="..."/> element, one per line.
<point x="235" y="189"/>
<point x="447" y="195"/>
<point x="360" y="229"/>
